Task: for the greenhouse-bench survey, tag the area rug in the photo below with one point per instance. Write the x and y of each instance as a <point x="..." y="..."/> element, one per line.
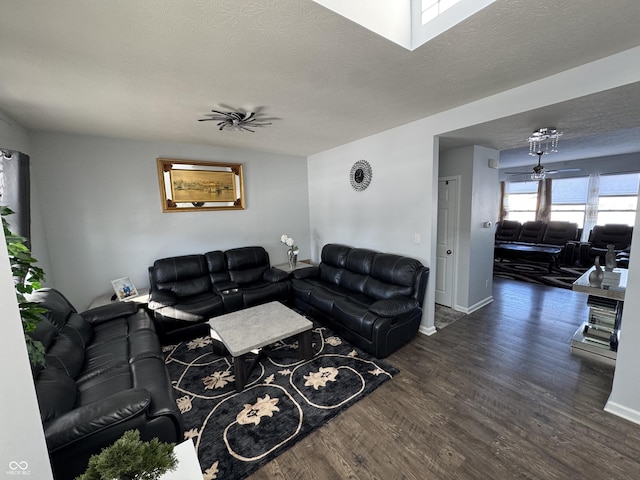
<point x="284" y="400"/>
<point x="536" y="272"/>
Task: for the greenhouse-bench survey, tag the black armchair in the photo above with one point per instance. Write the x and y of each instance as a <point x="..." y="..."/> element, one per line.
<point x="618" y="235"/>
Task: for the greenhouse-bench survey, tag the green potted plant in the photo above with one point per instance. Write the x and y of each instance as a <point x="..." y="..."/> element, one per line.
<point x="130" y="458"/>
<point x="27" y="277"/>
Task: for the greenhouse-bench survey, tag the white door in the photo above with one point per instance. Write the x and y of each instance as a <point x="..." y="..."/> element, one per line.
<point x="447" y="232"/>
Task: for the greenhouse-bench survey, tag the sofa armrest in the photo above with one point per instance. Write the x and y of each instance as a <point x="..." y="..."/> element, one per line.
<point x="308" y="272"/>
<point x="162" y="298"/>
<point x="391" y="307"/>
<point x="275" y="275"/>
<point x="117" y="409"/>
<point x="105" y="313"/>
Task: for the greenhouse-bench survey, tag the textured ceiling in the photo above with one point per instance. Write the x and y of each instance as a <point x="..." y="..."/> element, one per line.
<point x="148" y="69"/>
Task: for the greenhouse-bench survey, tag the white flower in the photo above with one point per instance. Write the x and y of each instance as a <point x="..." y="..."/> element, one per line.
<point x="289" y="242"/>
<point x="284" y="238"/>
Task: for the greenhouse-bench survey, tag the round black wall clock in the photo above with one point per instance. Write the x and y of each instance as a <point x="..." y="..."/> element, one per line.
<point x="360" y="175"/>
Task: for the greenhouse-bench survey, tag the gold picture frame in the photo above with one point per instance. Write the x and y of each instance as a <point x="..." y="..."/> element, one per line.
<point x="187" y="185"/>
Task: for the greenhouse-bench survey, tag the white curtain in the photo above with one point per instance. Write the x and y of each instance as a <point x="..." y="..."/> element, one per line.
<point x="504" y="200"/>
<point x="591" y="213"/>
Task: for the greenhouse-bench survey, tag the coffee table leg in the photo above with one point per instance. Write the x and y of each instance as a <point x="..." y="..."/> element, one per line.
<point x="305" y="350"/>
<point x="240" y="371"/>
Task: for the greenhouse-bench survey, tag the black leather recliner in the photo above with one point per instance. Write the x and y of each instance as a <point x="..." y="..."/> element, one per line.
<point x="104" y="374"/>
<point x="186" y="291"/>
<point x="618" y="235"/>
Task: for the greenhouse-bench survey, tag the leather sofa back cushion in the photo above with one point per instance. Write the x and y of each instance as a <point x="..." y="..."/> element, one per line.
<point x="78" y="330"/>
<point x="217" y="266"/>
<point x="383" y="290"/>
<point x="353" y="281"/>
<point x="329" y="273"/>
<point x="187" y="288"/>
<point x="395" y="269"/>
<point x="66" y="355"/>
<point x="58" y="307"/>
<point x="359" y="260"/>
<point x="246" y="258"/>
<point x="335" y="255"/>
<point x="56" y="393"/>
<point x="177" y="269"/>
<point x="250" y="275"/>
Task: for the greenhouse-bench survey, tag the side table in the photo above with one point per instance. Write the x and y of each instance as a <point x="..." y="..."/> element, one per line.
<point x="286" y="268"/>
<point x="188" y="465"/>
<point x="142" y="299"/>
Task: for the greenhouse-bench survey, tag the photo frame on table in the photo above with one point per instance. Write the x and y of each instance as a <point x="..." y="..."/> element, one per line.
<point x="124" y="288"/>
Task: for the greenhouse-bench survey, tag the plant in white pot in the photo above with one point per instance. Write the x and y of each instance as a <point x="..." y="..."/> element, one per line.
<point x="130" y="458"/>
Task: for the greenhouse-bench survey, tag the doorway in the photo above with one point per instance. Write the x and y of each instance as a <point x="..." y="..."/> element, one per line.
<point x="446" y="242"/>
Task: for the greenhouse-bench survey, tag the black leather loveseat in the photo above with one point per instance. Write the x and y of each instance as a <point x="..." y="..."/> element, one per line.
<point x="186" y="291"/>
<point x="371" y="299"/>
<point x="104" y="374"/>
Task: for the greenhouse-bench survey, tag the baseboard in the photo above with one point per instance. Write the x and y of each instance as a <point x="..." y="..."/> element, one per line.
<point x="475" y="307"/>
<point x="427" y="330"/>
<point x="622" y="411"/>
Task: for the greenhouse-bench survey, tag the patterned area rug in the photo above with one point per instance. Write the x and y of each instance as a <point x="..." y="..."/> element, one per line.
<point x="536" y="272"/>
<point x="284" y="400"/>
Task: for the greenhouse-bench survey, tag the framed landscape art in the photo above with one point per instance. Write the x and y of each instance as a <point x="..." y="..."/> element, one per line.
<point x="187" y="185"/>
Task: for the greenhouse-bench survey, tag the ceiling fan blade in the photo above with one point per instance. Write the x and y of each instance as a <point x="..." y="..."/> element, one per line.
<point x="563" y="170"/>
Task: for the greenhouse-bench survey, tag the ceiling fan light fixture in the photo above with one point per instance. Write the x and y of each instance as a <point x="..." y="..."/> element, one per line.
<point x="240" y="120"/>
<point x="544" y="140"/>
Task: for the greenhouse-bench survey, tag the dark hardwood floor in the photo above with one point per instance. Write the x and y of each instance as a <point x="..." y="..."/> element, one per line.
<point x="495" y="395"/>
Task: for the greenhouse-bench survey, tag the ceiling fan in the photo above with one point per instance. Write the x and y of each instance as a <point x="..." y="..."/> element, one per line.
<point x="539" y="171"/>
<point x="237" y="119"/>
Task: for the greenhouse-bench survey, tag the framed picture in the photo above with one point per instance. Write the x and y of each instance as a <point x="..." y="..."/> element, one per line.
<point x="124" y="288"/>
<point x="187" y="186"/>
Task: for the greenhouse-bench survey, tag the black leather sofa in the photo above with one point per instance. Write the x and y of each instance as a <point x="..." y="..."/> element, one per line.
<point x="104" y="374"/>
<point x="552" y="241"/>
<point x="186" y="291"/>
<point x="373" y="300"/>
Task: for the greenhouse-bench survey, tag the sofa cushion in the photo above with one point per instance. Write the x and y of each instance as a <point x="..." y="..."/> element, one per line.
<point x="57" y="306"/>
<point x="194" y="309"/>
<point x="78" y="329"/>
<point x="335" y="255"/>
<point x="56" y="393"/>
<point x="354" y="316"/>
<point x="217" y="266"/>
<point x="66" y="355"/>
<point x="329" y="273"/>
<point x="187" y="287"/>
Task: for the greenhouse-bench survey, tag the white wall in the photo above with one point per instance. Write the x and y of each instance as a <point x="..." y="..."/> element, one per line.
<point x="478" y="204"/>
<point x="387" y="215"/>
<point x="103" y="219"/>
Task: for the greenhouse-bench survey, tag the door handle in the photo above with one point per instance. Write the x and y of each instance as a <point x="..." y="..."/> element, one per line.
<point x="448" y="252"/>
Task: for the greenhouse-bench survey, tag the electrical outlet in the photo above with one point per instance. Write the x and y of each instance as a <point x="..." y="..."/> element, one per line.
<point x="416" y="238"/>
<point x="486" y="283"/>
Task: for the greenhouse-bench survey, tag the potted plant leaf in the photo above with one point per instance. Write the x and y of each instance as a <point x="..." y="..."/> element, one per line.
<point x="27" y="277"/>
<point x="130" y="458"/>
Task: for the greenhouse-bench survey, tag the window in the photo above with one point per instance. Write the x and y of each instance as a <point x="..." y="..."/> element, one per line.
<point x="618" y="199"/>
<point x="569" y="199"/>
<point x="432" y="8"/>
<point x="523" y="198"/>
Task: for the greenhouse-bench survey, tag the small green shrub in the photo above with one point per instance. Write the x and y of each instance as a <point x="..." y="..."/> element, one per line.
<point x="129" y="458"/>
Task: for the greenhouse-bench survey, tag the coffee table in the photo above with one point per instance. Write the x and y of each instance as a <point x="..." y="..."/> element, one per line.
<point x="256" y="327"/>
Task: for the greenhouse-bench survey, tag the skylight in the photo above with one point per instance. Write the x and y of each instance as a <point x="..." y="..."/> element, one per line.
<point x="409" y="23"/>
<point x="432" y="8"/>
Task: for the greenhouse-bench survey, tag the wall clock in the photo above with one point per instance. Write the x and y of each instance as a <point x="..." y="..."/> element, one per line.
<point x="360" y="175"/>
